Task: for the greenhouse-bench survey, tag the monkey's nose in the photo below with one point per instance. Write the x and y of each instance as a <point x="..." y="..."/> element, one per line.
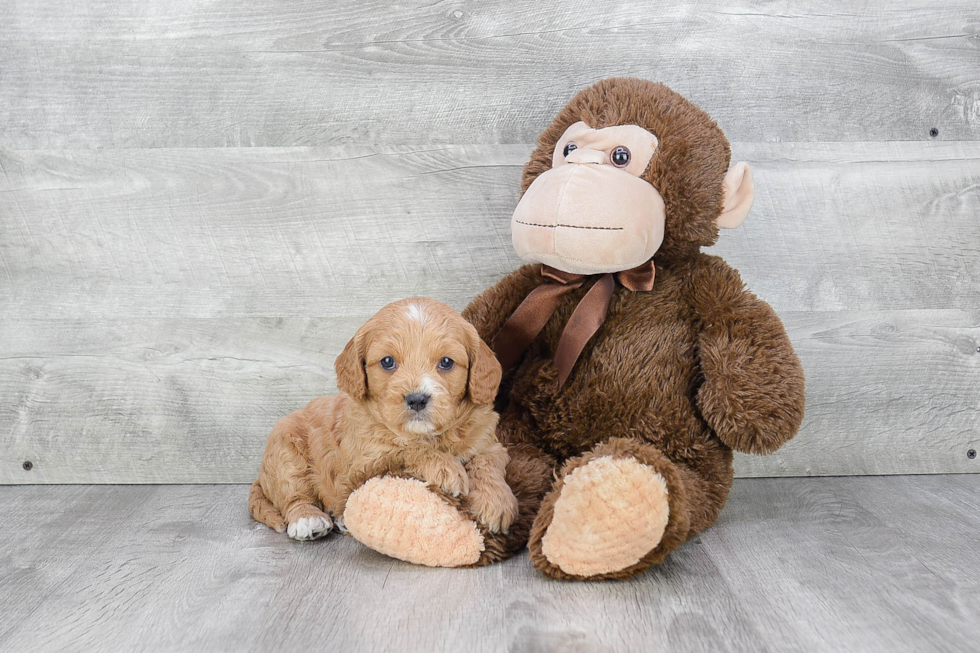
<point x="417" y="401"/>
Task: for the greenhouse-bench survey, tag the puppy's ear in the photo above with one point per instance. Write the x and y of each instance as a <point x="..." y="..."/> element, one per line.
<point x="351" y="377"/>
<point x="484" y="372"/>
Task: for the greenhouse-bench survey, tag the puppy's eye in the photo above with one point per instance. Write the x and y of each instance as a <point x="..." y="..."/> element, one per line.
<point x="621" y="157"/>
<point x="446" y="363"/>
<point x="569" y="147"/>
<point x="388" y="363"/>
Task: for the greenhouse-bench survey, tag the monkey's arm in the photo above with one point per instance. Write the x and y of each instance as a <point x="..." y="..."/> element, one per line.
<point x="493" y="306"/>
<point x="752" y="395"/>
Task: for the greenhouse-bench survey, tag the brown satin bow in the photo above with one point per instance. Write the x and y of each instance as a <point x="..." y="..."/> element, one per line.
<point x="524" y="325"/>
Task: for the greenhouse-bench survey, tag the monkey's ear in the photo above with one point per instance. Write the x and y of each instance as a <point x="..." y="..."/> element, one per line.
<point x="351" y="377"/>
<point x="484" y="372"/>
<point x="738" y="194"/>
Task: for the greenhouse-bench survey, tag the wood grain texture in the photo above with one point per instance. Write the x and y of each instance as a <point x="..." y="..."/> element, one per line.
<point x="99" y="74"/>
<point x="199" y="203"/>
<point x="253" y="231"/>
<point x="831" y="564"/>
<point x="889" y="392"/>
<point x="342" y="230"/>
<point x="192" y="400"/>
<point x="861" y="226"/>
<point x="891" y="544"/>
<point x="162" y="308"/>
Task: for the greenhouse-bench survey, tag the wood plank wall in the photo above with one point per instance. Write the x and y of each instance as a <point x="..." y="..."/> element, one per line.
<point x="201" y="201"/>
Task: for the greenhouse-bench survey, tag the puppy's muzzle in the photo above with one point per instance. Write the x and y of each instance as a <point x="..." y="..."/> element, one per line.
<point x="417" y="401"/>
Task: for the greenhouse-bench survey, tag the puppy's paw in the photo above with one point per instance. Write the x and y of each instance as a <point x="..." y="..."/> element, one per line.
<point x="309" y="528"/>
<point x="451" y="477"/>
<point x="494" y="506"/>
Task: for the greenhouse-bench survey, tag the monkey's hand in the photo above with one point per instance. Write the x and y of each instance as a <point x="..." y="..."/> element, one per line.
<point x="753" y="390"/>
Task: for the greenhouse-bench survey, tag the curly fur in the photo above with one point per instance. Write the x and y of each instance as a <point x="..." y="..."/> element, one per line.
<point x="316" y="457"/>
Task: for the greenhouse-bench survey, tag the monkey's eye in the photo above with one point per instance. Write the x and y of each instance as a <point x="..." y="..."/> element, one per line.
<point x="569" y="147"/>
<point x="446" y="363"/>
<point x="621" y="157"/>
<point x="388" y="363"/>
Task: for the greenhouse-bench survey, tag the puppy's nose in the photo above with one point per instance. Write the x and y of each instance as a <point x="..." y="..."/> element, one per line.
<point x="417" y="401"/>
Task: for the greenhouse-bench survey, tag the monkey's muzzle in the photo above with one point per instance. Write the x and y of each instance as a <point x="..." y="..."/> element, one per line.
<point x="588" y="219"/>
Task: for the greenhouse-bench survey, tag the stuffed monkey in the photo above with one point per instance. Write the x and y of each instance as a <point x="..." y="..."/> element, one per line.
<point x="634" y="364"/>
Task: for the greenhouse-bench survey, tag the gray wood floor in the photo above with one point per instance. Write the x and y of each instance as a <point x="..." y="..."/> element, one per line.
<point x="850" y="564"/>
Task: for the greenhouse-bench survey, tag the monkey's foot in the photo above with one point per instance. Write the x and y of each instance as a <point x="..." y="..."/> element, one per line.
<point x="404" y="519"/>
<point x="601" y="521"/>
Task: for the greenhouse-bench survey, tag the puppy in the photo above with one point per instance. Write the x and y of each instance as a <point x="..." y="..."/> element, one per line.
<point x="417" y="388"/>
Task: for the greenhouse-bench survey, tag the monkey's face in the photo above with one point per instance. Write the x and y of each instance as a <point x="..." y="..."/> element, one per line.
<point x="593" y="212"/>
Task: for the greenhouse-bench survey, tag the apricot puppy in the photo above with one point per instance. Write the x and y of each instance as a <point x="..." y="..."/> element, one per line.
<point x="417" y="388"/>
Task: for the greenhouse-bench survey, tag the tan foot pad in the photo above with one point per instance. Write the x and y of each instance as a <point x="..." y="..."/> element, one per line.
<point x="610" y="513"/>
<point x="402" y="518"/>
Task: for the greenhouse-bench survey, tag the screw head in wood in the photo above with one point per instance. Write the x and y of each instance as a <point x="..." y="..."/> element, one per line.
<point x="28" y="465"/>
<point x="934" y="132"/>
<point x="971" y="454"/>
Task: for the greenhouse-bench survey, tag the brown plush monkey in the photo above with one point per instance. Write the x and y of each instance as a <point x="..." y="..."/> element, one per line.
<point x="636" y="362"/>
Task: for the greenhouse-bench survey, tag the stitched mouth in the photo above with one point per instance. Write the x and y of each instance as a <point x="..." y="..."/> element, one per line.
<point x="569" y="226"/>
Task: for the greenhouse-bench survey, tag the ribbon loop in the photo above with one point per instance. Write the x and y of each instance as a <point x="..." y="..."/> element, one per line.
<point x="527" y="321"/>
